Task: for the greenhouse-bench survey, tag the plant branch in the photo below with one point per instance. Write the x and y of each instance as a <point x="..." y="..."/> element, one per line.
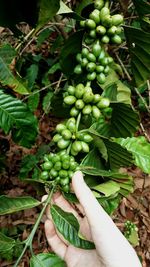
<point x="28" y="242"/>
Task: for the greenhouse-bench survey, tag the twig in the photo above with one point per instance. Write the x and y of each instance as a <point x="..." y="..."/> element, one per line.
<point x="144" y="132"/>
<point x="144" y="102"/>
<point x="60" y="27"/>
<point x="148" y="86"/>
<point x="123" y="67"/>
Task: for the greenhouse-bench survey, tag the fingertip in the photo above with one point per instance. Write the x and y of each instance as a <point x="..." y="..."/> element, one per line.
<point x="78" y="176"/>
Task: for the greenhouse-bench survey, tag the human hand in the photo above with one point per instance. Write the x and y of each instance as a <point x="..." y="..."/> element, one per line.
<point x="112" y="248"/>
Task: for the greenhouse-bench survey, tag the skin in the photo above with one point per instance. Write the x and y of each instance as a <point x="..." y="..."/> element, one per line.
<point x="112" y="248"/>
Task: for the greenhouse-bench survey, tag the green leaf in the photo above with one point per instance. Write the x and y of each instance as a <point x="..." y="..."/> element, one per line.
<point x="107" y="189"/>
<point x="140" y="150"/>
<point x="113" y="175"/>
<point x="67" y="12"/>
<point x="7" y="53"/>
<point x="14" y="113"/>
<point x="67" y="224"/>
<point x="9" y="205"/>
<point x="8" y="79"/>
<point x="46" y="260"/>
<point x="32" y="73"/>
<point x="33" y="101"/>
<point x="123" y="123"/>
<point x="92" y="159"/>
<point x="47" y="102"/>
<point x="123" y="94"/>
<point x="71" y="47"/>
<point x="64" y="9"/>
<point x="117" y="155"/>
<point x="143" y="9"/>
<point x="47" y="10"/>
<point x="6" y="243"/>
<point x="139" y="48"/>
<point x="109" y="204"/>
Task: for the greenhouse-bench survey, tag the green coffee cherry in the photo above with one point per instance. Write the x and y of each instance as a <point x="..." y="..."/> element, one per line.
<point x="87" y="110"/>
<point x="84" y="62"/>
<point x="63" y="173"/>
<point x="65" y="164"/>
<point x="96" y="98"/>
<point x="56" y="138"/>
<point x="53" y="173"/>
<point x="95" y="15"/>
<point x="117" y="19"/>
<point x="64" y="181"/>
<point x="90" y="66"/>
<point x="85" y="147"/>
<point x="101" y="56"/>
<point x="107" y="69"/>
<point x="92" y="34"/>
<point x="79" y="104"/>
<point x="65" y="188"/>
<point x="62" y="144"/>
<point x="71" y="127"/>
<point x="91" y="57"/>
<point x="70" y="100"/>
<point x="107" y="21"/>
<point x="103" y="103"/>
<point x="96" y="49"/>
<point x="79" y="57"/>
<point x="99" y="68"/>
<point x="101" y="78"/>
<point x="78" y="69"/>
<point x="91" y="76"/>
<point x="74" y="112"/>
<point x="112" y="30"/>
<point x="66" y="134"/>
<point x="104" y="12"/>
<point x="116" y="39"/>
<point x="58" y="166"/>
<point x="79" y="91"/>
<point x="87" y="138"/>
<point x="90" y="24"/>
<point x="85" y="52"/>
<point x="101" y="30"/>
<point x="55" y="158"/>
<point x="105" y="39"/>
<point x="60" y="127"/>
<point x="71" y="90"/>
<point x="44" y="175"/>
<point x="47" y="165"/>
<point x="104" y="61"/>
<point x="76" y="146"/>
<point x="88" y="97"/>
<point x="82" y="23"/>
<point x="96" y="112"/>
<point x="99" y="4"/>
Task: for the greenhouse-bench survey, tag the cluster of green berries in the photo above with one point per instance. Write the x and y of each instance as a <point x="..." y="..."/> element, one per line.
<point x="59" y="167"/>
<point x="82" y="99"/>
<point x="129" y="228"/>
<point x="101" y="25"/>
<point x="67" y="135"/>
<point x="95" y="63"/>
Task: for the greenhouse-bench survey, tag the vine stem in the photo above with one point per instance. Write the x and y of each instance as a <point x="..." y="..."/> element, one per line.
<point x="28" y="242"/>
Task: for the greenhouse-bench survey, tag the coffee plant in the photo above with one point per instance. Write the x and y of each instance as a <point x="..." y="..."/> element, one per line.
<point x="97" y="59"/>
